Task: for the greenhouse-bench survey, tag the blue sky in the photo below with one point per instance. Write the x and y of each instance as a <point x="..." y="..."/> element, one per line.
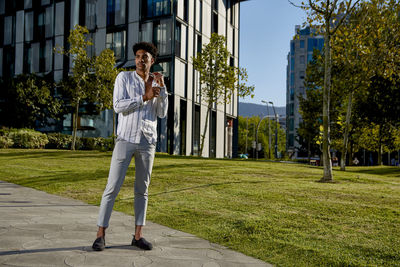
<point x="266" y="28"/>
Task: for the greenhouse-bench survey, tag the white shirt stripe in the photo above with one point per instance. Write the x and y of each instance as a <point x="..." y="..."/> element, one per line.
<point x="135" y="116"/>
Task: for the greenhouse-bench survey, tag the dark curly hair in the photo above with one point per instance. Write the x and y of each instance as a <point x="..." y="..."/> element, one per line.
<point x="148" y="47"/>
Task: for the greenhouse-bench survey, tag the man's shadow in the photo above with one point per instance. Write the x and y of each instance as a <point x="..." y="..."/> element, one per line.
<point x="81" y="248"/>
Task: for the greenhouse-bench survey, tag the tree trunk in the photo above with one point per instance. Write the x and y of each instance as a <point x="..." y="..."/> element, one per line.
<point x="380" y="149"/>
<point x="75" y="125"/>
<point x="309" y="149"/>
<point x="328" y="177"/>
<point x="205" y="129"/>
<point x="346" y="134"/>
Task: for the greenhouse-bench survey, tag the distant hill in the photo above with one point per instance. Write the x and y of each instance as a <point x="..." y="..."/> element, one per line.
<point x="250" y="109"/>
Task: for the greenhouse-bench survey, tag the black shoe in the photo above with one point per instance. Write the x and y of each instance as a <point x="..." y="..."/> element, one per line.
<point x="142" y="243"/>
<point x="99" y="244"/>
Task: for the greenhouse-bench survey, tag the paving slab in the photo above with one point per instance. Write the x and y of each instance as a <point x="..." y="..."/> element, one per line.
<point x="40" y="229"/>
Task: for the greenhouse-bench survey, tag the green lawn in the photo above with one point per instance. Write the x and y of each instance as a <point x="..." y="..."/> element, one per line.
<point x="273" y="211"/>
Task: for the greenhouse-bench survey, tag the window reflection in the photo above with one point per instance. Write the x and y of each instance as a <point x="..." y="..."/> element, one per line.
<point x="90" y="14"/>
<point x="116" y="42"/>
<point x="154" y="8"/>
<point x="28" y="26"/>
<point x="116" y="12"/>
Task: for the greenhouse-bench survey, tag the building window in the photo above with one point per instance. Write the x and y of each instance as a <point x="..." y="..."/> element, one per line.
<point x="214" y="4"/>
<point x="292" y="63"/>
<point x="199" y="15"/>
<point x="49" y="22"/>
<point x="9" y="30"/>
<point x="29" y="26"/>
<point x="231" y="12"/>
<point x="302" y="60"/>
<point x="116" y="42"/>
<point x="28" y="59"/>
<point x="2" y="6"/>
<point x="182" y="127"/>
<point x="291" y="94"/>
<point x="185" y="10"/>
<point x="199" y="45"/>
<point x="213" y="134"/>
<point x="302" y="74"/>
<point x="291" y="109"/>
<point x="27" y="4"/>
<point x="309" y="57"/>
<point x="45" y="2"/>
<point x="8" y="66"/>
<point x="40" y="26"/>
<point x="214" y="22"/>
<point x="162" y="35"/>
<point x="90" y="14"/>
<point x="301" y="43"/>
<point x="291" y="140"/>
<point x="180" y="40"/>
<point x="155" y="8"/>
<point x="196" y="131"/>
<point x="48" y="56"/>
<point x="292" y="49"/>
<point x="116" y="12"/>
<point x="291" y="124"/>
<point x="164" y="68"/>
<point x="178" y="36"/>
<point x="292" y="79"/>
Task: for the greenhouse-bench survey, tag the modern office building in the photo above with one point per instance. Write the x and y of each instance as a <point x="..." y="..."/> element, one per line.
<point x="301" y="50"/>
<point x="179" y="28"/>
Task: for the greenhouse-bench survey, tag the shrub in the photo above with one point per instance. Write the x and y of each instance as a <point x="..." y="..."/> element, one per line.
<point x="6" y="142"/>
<point x="104" y="144"/>
<point x="27" y="138"/>
<point x="59" y="141"/>
<point x="87" y="143"/>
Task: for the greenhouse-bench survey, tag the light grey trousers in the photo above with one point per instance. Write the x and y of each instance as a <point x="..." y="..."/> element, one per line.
<point x="121" y="158"/>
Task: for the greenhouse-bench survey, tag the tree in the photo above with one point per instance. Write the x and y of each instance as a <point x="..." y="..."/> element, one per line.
<point x="329" y="14"/>
<point x="365" y="46"/>
<point x="80" y="87"/>
<point x="379" y="111"/>
<point x="105" y="74"/>
<point x="248" y="127"/>
<point x="29" y="102"/>
<point x="219" y="80"/>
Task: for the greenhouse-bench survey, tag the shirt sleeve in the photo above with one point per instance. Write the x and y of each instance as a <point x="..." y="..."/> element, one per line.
<point x="162" y="103"/>
<point x="121" y="99"/>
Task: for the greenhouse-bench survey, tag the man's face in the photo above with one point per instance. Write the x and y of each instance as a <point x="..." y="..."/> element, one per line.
<point x="143" y="60"/>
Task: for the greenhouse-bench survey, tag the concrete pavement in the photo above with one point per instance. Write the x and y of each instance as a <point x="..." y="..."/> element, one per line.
<point x="39" y="229"/>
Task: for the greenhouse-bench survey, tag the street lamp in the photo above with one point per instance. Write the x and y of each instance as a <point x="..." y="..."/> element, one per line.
<point x="269" y="130"/>
<point x="276" y="130"/>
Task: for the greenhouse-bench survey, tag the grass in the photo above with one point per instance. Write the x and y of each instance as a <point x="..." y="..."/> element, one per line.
<point x="276" y="212"/>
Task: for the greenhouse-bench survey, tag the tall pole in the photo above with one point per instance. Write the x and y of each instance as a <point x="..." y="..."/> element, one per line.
<point x="276" y="130"/>
<point x="269" y="130"/>
<point x="247" y="132"/>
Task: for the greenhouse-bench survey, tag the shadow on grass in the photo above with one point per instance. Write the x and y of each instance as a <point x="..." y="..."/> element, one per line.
<point x="62" y="177"/>
<point x="384" y="171"/>
<point x="55" y="153"/>
<point x="207" y="185"/>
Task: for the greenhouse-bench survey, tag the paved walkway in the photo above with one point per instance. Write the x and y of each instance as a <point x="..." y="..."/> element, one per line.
<point x="39" y="229"/>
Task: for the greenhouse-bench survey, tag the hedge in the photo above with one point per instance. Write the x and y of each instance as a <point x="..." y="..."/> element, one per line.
<point x="28" y="138"/>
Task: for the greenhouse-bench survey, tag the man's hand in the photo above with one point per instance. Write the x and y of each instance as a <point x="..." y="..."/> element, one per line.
<point x="150" y="91"/>
<point x="159" y="78"/>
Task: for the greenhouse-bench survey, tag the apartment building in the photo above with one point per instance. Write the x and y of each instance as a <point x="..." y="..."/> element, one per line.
<point x="301" y="51"/>
<point x="179" y="28"/>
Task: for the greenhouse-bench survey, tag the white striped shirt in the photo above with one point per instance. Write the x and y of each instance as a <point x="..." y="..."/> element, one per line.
<point x="135" y="116"/>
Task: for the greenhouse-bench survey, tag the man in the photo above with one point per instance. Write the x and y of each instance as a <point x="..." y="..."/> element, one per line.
<point x="139" y="98"/>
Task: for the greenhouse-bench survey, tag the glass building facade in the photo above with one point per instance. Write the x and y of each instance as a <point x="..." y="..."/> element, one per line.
<point x="301" y="51"/>
<point x="179" y="28"/>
